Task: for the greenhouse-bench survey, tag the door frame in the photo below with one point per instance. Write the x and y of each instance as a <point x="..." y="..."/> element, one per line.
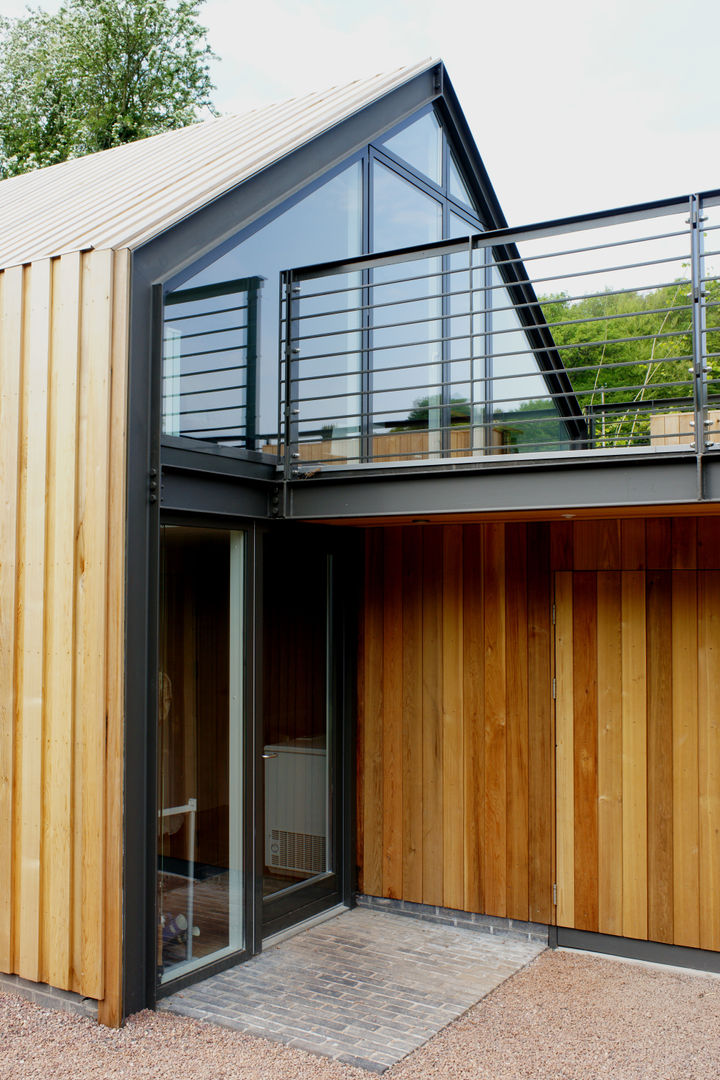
<point x="344" y="544"/>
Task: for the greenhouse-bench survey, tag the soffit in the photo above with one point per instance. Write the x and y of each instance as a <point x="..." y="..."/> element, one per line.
<point x="126" y="196"/>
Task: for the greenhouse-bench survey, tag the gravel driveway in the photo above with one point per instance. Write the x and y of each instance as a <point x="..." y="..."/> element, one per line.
<point x="566" y="1017"/>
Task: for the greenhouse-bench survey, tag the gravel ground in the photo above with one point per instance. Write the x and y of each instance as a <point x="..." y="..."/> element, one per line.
<point x="565" y="1017"/>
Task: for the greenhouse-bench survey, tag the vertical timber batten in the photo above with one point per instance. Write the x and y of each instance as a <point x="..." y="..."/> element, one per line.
<point x="63" y="372"/>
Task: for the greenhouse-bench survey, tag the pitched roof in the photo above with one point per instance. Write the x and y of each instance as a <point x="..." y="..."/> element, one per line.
<point x="125" y="196"/>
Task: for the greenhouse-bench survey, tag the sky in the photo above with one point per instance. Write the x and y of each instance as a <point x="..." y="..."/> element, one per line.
<point x="576" y="105"/>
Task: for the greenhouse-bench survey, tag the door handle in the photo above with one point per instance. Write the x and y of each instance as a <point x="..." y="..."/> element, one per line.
<point x="269" y="755"/>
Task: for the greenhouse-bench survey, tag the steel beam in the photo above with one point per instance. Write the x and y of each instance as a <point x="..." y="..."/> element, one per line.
<point x="658" y="480"/>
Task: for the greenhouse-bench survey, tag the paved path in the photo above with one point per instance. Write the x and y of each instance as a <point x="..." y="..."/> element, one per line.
<point x="365" y="988"/>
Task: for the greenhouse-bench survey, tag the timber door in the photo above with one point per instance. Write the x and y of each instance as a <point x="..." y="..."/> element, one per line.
<point x="637" y="667"/>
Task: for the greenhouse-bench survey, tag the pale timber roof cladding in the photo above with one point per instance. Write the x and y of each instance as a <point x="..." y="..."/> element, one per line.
<point x="123" y="197"/>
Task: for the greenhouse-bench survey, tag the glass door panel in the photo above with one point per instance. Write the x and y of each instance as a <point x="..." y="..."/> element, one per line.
<point x="200" y="749"/>
<point x="298" y="745"/>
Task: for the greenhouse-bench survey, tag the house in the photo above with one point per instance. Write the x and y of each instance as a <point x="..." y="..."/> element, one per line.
<point x="351" y="541"/>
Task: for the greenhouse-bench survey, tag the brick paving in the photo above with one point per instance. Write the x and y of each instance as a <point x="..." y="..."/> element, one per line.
<point x="365" y="988"/>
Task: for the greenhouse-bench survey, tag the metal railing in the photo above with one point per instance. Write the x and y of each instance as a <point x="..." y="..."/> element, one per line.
<point x="209" y="380"/>
<point x="598" y="334"/>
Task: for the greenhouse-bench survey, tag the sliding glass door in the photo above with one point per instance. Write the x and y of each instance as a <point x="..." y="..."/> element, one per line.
<point x="300" y="746"/>
<point x="200" y="885"/>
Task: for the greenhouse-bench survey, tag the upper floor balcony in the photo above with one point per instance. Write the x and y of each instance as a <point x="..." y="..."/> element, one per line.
<point x="585" y="340"/>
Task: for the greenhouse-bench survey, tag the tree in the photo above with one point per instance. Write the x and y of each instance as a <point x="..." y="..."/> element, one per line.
<point x="96" y="74"/>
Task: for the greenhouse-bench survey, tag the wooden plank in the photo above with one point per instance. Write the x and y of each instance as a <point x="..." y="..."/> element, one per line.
<point x="373" y="716"/>
<point x="660" y="758"/>
<point x="684" y="543"/>
<point x="685" y="779"/>
<point x="634" y="756"/>
<point x="709" y="757"/>
<point x="412" y="714"/>
<point x="495" y="823"/>
<point x="453" y="787"/>
<point x="561" y="545"/>
<point x="596" y="545"/>
<point x="11" y="348"/>
<point x="432" y="816"/>
<point x="516" y="652"/>
<point x="541" y="737"/>
<point x="30" y="623"/>
<point x="91" y="616"/>
<point x="565" y="750"/>
<point x="392" y="716"/>
<point x="632" y="544"/>
<point x="59" y="624"/>
<point x="473" y="722"/>
<point x="658" y="533"/>
<point x="708" y="549"/>
<point x="110" y="1007"/>
<point x="609" y="752"/>
<point x="585" y="746"/>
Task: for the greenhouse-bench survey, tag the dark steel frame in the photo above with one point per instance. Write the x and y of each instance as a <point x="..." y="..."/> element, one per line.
<point x="182" y="465"/>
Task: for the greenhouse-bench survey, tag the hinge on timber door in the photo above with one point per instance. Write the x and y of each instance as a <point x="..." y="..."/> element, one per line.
<point x="555" y="894"/>
<point x="554" y="688"/>
<point x="553" y="614"/>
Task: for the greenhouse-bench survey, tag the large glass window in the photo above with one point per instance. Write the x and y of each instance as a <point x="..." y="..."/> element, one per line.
<point x="325" y="224"/>
<point x="199" y="766"/>
<point x="420" y="144"/>
<point x="220" y="374"/>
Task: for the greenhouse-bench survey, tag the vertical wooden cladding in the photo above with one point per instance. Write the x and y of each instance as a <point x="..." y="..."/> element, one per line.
<point x="63" y="360"/>
<point x="638" y="806"/>
<point x="456" y="625"/>
<point x="613" y="790"/>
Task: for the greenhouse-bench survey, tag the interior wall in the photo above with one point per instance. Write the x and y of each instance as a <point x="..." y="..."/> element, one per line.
<point x="456" y="763"/>
<point x="63" y="366"/>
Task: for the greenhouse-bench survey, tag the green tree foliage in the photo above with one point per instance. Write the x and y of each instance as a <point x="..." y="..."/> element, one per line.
<point x="627" y="352"/>
<point x="96" y="74"/>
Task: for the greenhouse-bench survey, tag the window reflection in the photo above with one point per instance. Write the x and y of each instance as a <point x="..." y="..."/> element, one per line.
<point x="420" y="144"/>
<point x="326" y="224"/>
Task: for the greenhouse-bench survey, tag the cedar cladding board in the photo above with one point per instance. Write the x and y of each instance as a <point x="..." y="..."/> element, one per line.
<point x="457" y="727"/>
<point x="63" y="368"/>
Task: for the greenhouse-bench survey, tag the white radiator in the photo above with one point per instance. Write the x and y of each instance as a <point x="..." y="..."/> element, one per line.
<point x="296" y="808"/>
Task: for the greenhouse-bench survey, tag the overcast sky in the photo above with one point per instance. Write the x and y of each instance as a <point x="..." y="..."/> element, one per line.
<point x="575" y="105"/>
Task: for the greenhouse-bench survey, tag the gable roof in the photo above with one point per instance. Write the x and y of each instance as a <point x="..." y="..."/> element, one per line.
<point x="125" y="196"/>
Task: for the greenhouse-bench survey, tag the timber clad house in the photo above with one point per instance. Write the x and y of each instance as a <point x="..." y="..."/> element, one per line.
<point x="351" y="542"/>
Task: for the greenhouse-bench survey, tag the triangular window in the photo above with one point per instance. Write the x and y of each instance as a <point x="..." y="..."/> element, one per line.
<point x="457" y="188"/>
<point x="420" y="145"/>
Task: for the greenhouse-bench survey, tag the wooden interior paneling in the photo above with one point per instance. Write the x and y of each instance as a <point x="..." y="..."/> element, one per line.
<point x="629" y="748"/>
<point x="63" y="372"/>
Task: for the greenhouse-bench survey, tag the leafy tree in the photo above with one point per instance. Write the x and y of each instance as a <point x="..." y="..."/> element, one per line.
<point x="96" y="74"/>
<point x="626" y="350"/>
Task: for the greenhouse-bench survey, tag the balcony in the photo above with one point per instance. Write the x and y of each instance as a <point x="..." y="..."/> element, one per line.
<point x="591" y="338"/>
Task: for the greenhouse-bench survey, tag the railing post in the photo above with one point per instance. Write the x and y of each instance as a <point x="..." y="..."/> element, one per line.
<point x="699" y="367"/>
<point x="288" y="361"/>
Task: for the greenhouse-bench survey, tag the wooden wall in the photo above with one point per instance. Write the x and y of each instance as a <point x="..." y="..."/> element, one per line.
<point x="63" y="364"/>
<point x="456" y="793"/>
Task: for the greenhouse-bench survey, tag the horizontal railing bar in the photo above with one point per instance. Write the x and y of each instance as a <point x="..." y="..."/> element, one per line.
<point x="565" y="298"/>
<point x="375" y="327"/>
<point x="530" y="348"/>
<point x="495" y="264"/>
<point x="479" y="402"/>
<point x="207" y="352"/>
<point x="613" y="365"/>
<point x="205" y="314"/>
<point x="207" y="333"/>
<point x="203" y="371"/>
<point x="210" y="409"/>
<point x="208" y="390"/>
<point x="508" y="236"/>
